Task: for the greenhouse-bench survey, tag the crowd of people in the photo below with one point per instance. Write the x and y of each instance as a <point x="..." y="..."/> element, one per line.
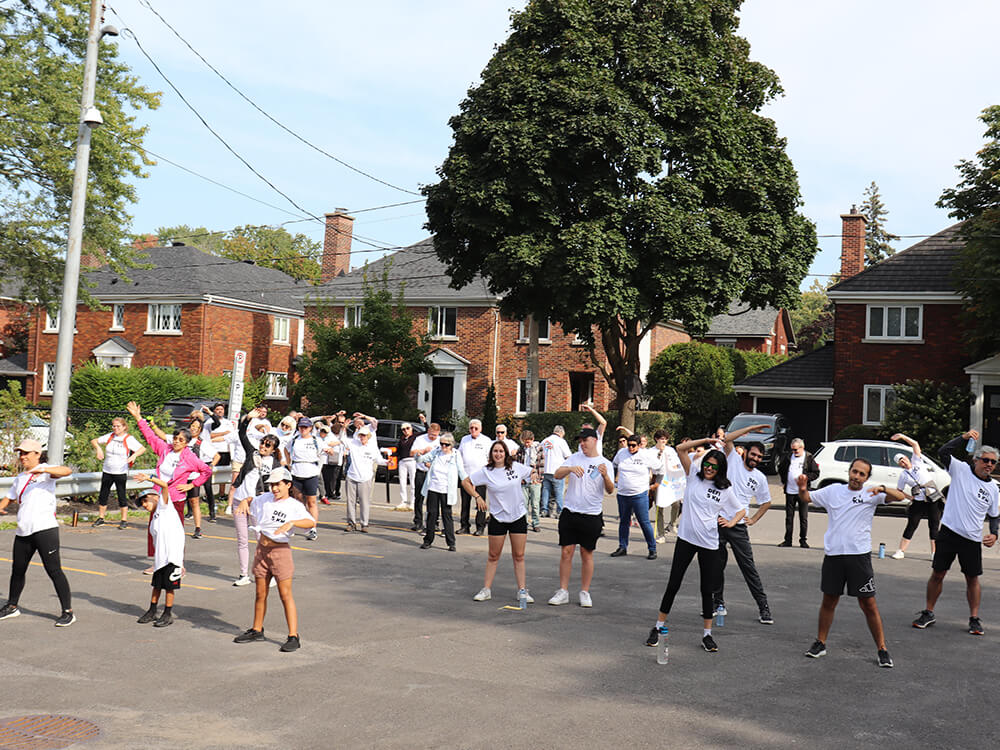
<point x="703" y="490"/>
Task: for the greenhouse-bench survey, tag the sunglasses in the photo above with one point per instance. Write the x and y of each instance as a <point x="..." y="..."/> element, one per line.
<point x="991" y="461"/>
<point x="633" y="445"/>
<point x="446" y="445"/>
<point x="714" y="467"/>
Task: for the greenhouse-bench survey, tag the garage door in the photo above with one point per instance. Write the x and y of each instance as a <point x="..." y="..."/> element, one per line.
<point x="806" y="416"/>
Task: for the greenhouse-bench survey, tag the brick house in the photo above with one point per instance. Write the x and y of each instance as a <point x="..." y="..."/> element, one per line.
<point x="189" y="310"/>
<point x="768" y="330"/>
<point x="895" y="321"/>
<point x="473" y="343"/>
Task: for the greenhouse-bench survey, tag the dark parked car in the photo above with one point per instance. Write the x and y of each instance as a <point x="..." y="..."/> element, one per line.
<point x="179" y="410"/>
<point x="388" y="433"/>
<point x="776" y="439"/>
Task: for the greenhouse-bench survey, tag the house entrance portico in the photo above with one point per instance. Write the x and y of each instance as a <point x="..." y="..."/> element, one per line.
<point x="442" y="393"/>
<point x="984" y="414"/>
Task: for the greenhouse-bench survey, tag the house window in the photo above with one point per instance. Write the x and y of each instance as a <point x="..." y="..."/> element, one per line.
<point x="544" y="330"/>
<point x="282" y="326"/>
<point x="51" y="323"/>
<point x="118" y="317"/>
<point x="277" y="385"/>
<point x="442" y="321"/>
<point x="726" y="343"/>
<point x="522" y="395"/>
<point x="164" y="319"/>
<point x="878" y="398"/>
<point x="48" y="378"/>
<point x="895" y="321"/>
<point x="352" y="316"/>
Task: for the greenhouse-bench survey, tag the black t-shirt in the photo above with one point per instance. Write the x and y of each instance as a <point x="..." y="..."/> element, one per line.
<point x="404" y="446"/>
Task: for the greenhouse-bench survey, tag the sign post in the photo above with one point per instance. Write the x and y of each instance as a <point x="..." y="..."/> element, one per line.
<point x="236" y="386"/>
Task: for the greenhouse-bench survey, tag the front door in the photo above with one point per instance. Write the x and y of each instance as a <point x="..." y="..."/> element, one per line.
<point x="991" y="416"/>
<point x="442" y="390"/>
<point x="581" y="389"/>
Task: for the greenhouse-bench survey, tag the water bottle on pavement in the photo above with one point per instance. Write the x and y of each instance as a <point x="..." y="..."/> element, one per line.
<point x="881" y="550"/>
<point x="720" y="616"/>
<point x="522" y="599"/>
<point x="662" y="647"/>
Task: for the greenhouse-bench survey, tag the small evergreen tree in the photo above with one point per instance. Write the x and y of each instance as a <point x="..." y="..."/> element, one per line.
<point x="490" y="412"/>
<point x="931" y="413"/>
<point x="878" y="239"/>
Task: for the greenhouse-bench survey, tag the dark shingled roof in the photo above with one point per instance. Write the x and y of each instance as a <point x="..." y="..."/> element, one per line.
<point x="186" y="269"/>
<point x="923" y="267"/>
<point x="417" y="266"/>
<point x="812" y="370"/>
<point x="125" y="344"/>
<point x="742" y="321"/>
<point x="14" y="365"/>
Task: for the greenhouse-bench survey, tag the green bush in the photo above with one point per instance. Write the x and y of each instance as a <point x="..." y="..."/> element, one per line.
<point x="857" y="432"/>
<point x="930" y="412"/>
<point x="646" y="423"/>
<point x="695" y="381"/>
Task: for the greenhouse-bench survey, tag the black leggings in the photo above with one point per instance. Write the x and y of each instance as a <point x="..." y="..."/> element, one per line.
<point x="331" y="480"/>
<point x="46" y="542"/>
<point x="923" y="509"/>
<point x="709" y="567"/>
<point x="118" y="480"/>
<point x="194" y="496"/>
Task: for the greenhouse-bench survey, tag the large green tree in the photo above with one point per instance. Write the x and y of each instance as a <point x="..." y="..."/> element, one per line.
<point x="42" y="47"/>
<point x="878" y="239"/>
<point x="611" y="170"/>
<point x="372" y="366"/>
<point x="976" y="202"/>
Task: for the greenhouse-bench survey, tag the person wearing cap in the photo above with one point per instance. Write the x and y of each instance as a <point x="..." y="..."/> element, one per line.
<point x="407" y="466"/>
<point x="914" y="475"/>
<point x="34" y="489"/>
<point x="168" y="550"/>
<point x="365" y="454"/>
<point x="304" y="453"/>
<point x="591" y="477"/>
<point x="274" y="514"/>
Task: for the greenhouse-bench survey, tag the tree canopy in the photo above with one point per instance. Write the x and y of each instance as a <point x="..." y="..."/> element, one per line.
<point x="878" y="239"/>
<point x="42" y="48"/>
<point x="611" y="170"/>
<point x="976" y="202"/>
<point x="812" y="320"/>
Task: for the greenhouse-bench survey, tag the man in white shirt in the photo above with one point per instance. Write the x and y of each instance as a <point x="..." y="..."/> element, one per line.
<point x="474" y="451"/>
<point x="972" y="496"/>
<point x="423" y="445"/>
<point x="591" y="477"/>
<point x="555" y="450"/>
<point x="848" y="547"/>
<point x="790" y="468"/>
<point x="512" y="446"/>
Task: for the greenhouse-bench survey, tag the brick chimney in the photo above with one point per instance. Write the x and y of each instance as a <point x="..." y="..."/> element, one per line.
<point x="337" y="244"/>
<point x="92" y="258"/>
<point x="852" y="243"/>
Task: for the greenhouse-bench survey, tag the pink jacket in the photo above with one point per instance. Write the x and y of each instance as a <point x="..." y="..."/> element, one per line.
<point x="187" y="463"/>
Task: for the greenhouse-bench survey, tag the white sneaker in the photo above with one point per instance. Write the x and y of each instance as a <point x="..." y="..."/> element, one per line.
<point x="527" y="596"/>
<point x="484" y="595"/>
<point x="898" y="555"/>
<point x="228" y="511"/>
<point x="243" y="580"/>
<point x="661" y="540"/>
<point x="585" y="600"/>
<point x="403" y="506"/>
<point x="560" y="597"/>
<point x="273" y="583"/>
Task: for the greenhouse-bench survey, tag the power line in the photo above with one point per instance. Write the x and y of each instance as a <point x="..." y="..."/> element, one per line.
<point x="253" y="104"/>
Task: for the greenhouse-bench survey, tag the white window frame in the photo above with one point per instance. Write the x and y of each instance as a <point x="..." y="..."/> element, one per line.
<point x="153" y="317"/>
<point x="543" y="395"/>
<point x="117" y="318"/>
<point x="277" y="385"/>
<point x="48" y="378"/>
<point x="884" y="390"/>
<point x="522" y="332"/>
<point x="352" y="316"/>
<point x="51" y="324"/>
<point x="884" y="336"/>
<point x="725" y="343"/>
<point x="437" y="323"/>
<point x="281" y="330"/>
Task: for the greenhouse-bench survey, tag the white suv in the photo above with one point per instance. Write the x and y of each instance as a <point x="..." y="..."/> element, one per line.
<point x="834" y="460"/>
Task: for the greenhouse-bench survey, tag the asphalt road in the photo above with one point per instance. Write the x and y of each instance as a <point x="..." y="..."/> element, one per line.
<point x="396" y="654"/>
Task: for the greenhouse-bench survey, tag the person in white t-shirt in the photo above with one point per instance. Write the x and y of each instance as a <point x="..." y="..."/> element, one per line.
<point x="512" y="445"/>
<point x="422" y="445"/>
<point x="168" y="551"/>
<point x="635" y="471"/>
<point x="972" y="497"/>
<point x="555" y="450"/>
<point x="709" y="504"/>
<point x="913" y="476"/>
<point x="591" y="477"/>
<point x="118" y="450"/>
<point x="274" y="514"/>
<point x="848" y="547"/>
<point x="34" y="489"/>
<point x="474" y="450"/>
<point x="502" y="478"/>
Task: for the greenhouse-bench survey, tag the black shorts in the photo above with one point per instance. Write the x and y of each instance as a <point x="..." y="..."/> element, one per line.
<point x="854" y="571"/>
<point x="168" y="578"/>
<point x="308" y="486"/>
<point x="580" y="528"/>
<point x="951" y="545"/>
<point x="224" y="459"/>
<point x="499" y="528"/>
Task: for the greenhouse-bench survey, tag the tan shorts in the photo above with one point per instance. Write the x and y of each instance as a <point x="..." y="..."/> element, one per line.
<point x="274" y="560"/>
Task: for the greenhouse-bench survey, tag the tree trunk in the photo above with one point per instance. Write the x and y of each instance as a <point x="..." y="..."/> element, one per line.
<point x="621" y="346"/>
<point x="531" y="385"/>
<point x="626" y="414"/>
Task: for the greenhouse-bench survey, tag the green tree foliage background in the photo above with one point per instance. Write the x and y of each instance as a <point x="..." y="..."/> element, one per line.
<point x="878" y="239"/>
<point x="930" y="412"/>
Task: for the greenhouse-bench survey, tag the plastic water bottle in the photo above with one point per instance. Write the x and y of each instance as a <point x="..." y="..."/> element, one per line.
<point x="662" y="647"/>
<point x="522" y="599"/>
<point x="970" y="445"/>
<point x="720" y="616"/>
<point x="881" y="550"/>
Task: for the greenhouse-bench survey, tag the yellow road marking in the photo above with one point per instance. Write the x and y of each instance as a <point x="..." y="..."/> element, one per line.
<point x="75" y="570"/>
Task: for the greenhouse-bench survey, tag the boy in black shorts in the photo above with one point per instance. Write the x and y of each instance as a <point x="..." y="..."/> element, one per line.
<point x="168" y="556"/>
<point x="848" y="547"/>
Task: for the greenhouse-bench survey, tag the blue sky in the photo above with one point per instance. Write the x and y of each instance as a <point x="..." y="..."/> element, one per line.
<point x="887" y="91"/>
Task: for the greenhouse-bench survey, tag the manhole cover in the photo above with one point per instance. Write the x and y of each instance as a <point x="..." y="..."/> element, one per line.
<point x="43" y="732"/>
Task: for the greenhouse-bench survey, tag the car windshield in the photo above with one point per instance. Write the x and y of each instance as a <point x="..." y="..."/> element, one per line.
<point x="747" y="420"/>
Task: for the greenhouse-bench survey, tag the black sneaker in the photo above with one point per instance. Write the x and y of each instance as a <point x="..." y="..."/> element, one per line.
<point x="620" y="552"/>
<point x="708" y="643"/>
<point x="65" y="620"/>
<point x="654" y="636"/>
<point x="9" y="610"/>
<point x="425" y="545"/>
<point x="975" y="626"/>
<point x="164" y="620"/>
<point x="925" y="619"/>
<point x="249" y="636"/>
<point x="213" y="519"/>
<point x="98" y="522"/>
<point x="765" y="616"/>
<point x="884" y="660"/>
<point x="651" y="556"/>
<point x="451" y="547"/>
<point x="122" y="525"/>
<point x="197" y="533"/>
<point x="148" y="616"/>
<point x="816" y="650"/>
<point x="292" y="644"/>
<point x="785" y="543"/>
<point x="803" y="544"/>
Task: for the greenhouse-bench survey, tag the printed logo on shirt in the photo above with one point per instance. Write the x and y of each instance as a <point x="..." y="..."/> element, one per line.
<point x="715" y="494"/>
<point x="858" y="500"/>
<point x="511" y="475"/>
<point x="593" y="470"/>
<point x="982" y="495"/>
<point x="278" y="516"/>
<point x="752" y="484"/>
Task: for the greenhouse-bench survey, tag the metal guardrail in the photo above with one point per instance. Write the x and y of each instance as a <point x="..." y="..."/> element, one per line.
<point x="80" y="485"/>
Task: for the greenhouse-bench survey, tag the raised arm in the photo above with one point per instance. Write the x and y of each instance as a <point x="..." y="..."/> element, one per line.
<point x="910" y="442"/>
<point x="891" y="493"/>
<point x="601" y="421"/>
<point x="956" y="448"/>
<point x="683" y="448"/>
<point x="158" y="444"/>
<point x="731" y="436"/>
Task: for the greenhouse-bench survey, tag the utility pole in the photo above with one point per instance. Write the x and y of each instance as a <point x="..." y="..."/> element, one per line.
<point x="89" y="118"/>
